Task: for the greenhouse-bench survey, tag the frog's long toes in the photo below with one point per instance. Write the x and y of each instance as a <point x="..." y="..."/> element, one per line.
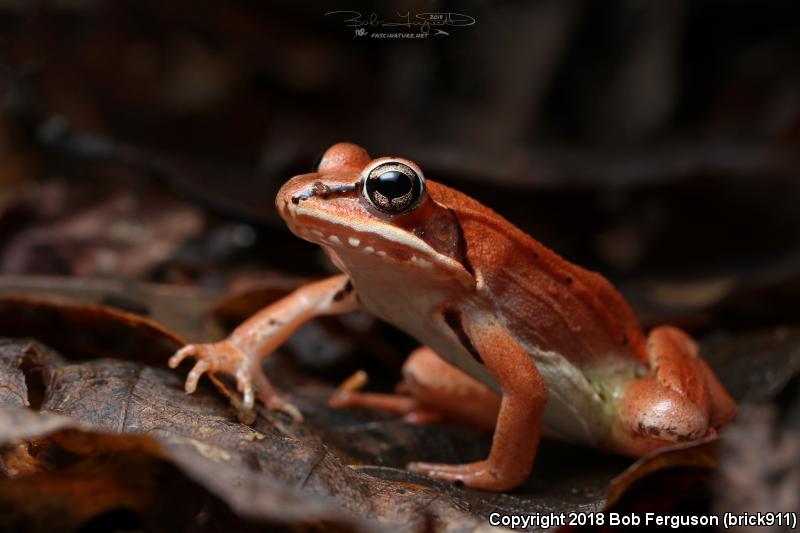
<point x="181" y="354"/>
<point x="340" y="399"/>
<point x="199" y="369"/>
<point x="449" y="472"/>
<point x="432" y="469"/>
<point x="276" y="403"/>
<point x="478" y="475"/>
<point x="248" y="400"/>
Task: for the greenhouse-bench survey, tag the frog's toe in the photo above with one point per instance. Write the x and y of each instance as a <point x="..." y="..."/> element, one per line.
<point x="340" y="399"/>
<point x="187" y="351"/>
<point x="423" y="417"/>
<point x="244" y="384"/>
<point x="200" y="368"/>
<point x="392" y="403"/>
<point x="477" y="475"/>
<point x="276" y="403"/>
<point x="272" y="400"/>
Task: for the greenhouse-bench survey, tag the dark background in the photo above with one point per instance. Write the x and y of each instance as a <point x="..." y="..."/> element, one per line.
<point x="656" y="142"/>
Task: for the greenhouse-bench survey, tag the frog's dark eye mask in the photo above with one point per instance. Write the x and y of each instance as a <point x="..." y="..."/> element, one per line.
<point x="392" y="187"/>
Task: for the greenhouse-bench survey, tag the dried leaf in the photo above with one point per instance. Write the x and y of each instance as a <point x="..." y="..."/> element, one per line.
<point x="125" y="397"/>
<point x="700" y="454"/>
<point x="121" y="234"/>
<point x="275" y="471"/>
<point x="87" y="330"/>
<point x="759" y="465"/>
<point x="243" y="302"/>
<point x="182" y="310"/>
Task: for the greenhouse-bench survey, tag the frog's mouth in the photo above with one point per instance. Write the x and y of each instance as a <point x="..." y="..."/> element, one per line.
<point x="343" y="225"/>
<point x="377" y="239"/>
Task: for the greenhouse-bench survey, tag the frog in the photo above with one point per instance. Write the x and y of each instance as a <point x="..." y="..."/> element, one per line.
<point x="515" y="339"/>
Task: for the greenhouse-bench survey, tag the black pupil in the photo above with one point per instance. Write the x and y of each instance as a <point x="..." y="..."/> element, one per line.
<point x="393" y="184"/>
<point x="393" y="189"/>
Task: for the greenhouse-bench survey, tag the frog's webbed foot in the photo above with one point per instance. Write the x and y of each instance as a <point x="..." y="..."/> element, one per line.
<point x="251" y="382"/>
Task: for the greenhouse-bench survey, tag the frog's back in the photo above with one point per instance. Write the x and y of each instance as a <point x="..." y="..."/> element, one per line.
<point x="551" y="304"/>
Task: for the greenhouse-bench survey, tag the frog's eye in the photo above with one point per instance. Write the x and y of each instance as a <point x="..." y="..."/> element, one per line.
<point x="393" y="187"/>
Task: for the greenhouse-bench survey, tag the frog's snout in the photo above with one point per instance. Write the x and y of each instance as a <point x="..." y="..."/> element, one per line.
<point x="289" y="194"/>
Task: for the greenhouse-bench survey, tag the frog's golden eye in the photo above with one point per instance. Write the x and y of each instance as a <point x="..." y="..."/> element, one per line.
<point x="393" y="187"/>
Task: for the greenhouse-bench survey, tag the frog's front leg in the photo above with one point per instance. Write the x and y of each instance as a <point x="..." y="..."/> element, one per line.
<point x="680" y="400"/>
<point x="516" y="435"/>
<point x="242" y="352"/>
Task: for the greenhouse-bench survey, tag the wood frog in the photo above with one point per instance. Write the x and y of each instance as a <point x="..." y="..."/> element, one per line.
<point x="516" y="338"/>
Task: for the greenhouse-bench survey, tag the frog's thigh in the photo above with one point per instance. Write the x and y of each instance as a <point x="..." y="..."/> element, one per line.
<point x="432" y="390"/>
<point x="680" y="400"/>
<point x="440" y="387"/>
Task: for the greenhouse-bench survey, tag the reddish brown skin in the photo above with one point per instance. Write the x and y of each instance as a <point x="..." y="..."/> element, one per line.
<point x="562" y="307"/>
<point x="544" y="301"/>
<point x="432" y="391"/>
<point x="351" y="157"/>
<point x="594" y="317"/>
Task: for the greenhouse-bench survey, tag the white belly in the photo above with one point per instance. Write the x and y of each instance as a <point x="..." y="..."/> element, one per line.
<point x="574" y="411"/>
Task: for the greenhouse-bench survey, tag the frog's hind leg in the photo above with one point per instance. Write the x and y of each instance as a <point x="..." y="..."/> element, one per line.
<point x="680" y="400"/>
<point x="432" y="391"/>
<point x="400" y="404"/>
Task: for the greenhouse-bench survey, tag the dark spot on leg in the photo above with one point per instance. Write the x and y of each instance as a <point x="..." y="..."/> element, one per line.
<point x="453" y="319"/>
<point x="569" y="280"/>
